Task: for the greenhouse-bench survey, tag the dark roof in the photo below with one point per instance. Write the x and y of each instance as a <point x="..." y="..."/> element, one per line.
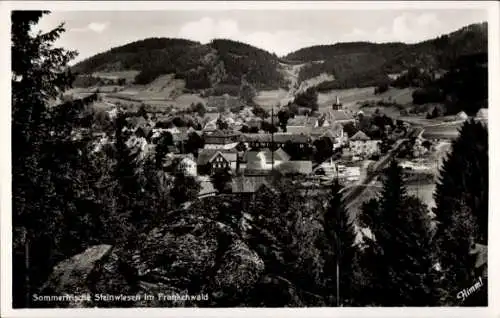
<point x="359" y="136"/>
<point x="229" y="156"/>
<point x="282" y="138"/>
<point x="222" y="137"/>
<point x="206" y="155"/>
<point x="339" y="115"/>
<point x="416" y="132"/>
<point x="302" y="167"/>
<point x="224" y="133"/>
<point x="333" y="131"/>
<point x="137" y="121"/>
<point x="249" y="184"/>
<point x="278" y="137"/>
<point x="281" y="155"/>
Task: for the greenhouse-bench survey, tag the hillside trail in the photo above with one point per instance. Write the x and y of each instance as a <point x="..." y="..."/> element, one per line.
<point x="291" y="74"/>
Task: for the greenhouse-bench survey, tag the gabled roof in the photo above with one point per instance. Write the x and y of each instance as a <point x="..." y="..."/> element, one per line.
<point x="249" y="184"/>
<point x="205" y="155"/>
<point x="281" y="155"/>
<point x="359" y="136"/>
<point x="284" y="137"/>
<point x="302" y="121"/>
<point x="340" y="115"/>
<point x="229" y="156"/>
<point x="278" y="137"/>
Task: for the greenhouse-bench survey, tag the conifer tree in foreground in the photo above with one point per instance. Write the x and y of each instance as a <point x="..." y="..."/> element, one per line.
<point x="52" y="210"/>
<point x="403" y="260"/>
<point x="339" y="231"/>
<point x="462" y="208"/>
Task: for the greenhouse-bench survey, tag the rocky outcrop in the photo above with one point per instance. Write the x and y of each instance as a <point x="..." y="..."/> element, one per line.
<point x="72" y="276"/>
<point x="193" y="255"/>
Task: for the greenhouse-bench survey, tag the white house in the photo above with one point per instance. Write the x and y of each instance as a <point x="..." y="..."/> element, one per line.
<point x="361" y="145"/>
<point x="188" y="167"/>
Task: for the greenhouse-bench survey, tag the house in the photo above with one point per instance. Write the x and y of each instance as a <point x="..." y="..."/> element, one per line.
<point x="211" y="160"/>
<point x="264" y="159"/>
<point x="361" y="145"/>
<point x="335" y="133"/>
<point x="250" y="184"/>
<point x="340" y="116"/>
<point x="301" y="124"/>
<point x="210" y="126"/>
<point x="278" y="140"/>
<point x="323" y="121"/>
<point x="188" y="166"/>
<point x="183" y="163"/>
<point x="144" y="132"/>
<point x="221" y="137"/>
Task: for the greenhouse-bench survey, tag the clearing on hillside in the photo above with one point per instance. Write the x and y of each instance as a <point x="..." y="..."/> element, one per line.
<point x="129" y="76"/>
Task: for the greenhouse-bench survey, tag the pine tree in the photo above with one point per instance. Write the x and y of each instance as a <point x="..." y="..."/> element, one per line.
<point x="220" y="180"/>
<point x="184" y="188"/>
<point x="462" y="208"/>
<point x="339" y="231"/>
<point x="464" y="178"/>
<point x="50" y="191"/>
<point x="161" y="149"/>
<point x="403" y="259"/>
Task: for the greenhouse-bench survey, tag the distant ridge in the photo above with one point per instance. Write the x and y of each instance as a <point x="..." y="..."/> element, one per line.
<point x="223" y="64"/>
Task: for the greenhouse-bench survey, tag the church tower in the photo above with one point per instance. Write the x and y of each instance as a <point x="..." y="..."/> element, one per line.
<point x="337" y="105"/>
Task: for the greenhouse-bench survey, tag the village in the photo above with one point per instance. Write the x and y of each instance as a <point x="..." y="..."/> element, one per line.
<point x="252" y="145"/>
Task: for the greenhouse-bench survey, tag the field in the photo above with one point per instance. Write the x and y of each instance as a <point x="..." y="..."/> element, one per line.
<point x="442" y="131"/>
<point x="350" y="97"/>
<point x="163" y="92"/>
<point x="129" y="76"/>
<point x="268" y="99"/>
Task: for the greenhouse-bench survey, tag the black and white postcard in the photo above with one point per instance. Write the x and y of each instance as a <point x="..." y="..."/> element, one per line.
<point x="239" y="158"/>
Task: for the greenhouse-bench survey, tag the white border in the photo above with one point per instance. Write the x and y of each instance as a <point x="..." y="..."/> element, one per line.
<point x="5" y="185"/>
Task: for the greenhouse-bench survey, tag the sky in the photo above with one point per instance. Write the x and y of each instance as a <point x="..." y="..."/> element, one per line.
<point x="277" y="31"/>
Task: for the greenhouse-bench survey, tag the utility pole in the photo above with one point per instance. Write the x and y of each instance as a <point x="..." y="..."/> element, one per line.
<point x="272" y="139"/>
<point x="337" y="252"/>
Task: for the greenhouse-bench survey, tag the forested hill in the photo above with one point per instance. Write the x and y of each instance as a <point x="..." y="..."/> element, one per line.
<point x="220" y="62"/>
<point x="365" y="64"/>
<point x="224" y="63"/>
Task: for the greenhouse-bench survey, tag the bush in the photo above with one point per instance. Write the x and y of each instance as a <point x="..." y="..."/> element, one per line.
<point x="427" y="95"/>
<point x="308" y="99"/>
<point x="381" y="88"/>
